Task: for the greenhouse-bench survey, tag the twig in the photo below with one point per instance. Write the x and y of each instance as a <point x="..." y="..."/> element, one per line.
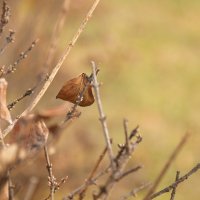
<point x="167" y="165"/>
<point x="102" y="117"/>
<point x="82" y="193"/>
<point x="56" y="32"/>
<point x="86" y="184"/>
<point x="28" y="92"/>
<point x="4" y="17"/>
<point x="174" y="189"/>
<point x="180" y="180"/>
<point x="121" y="160"/>
<point x="31" y="188"/>
<point x="12" y="68"/>
<point x="56" y="68"/>
<point x="51" y="177"/>
<point x="10" y="187"/>
<point x="53" y="184"/>
<point x="133" y="193"/>
<point x="9" y="39"/>
<point x="125" y="123"/>
<point x="135" y="169"/>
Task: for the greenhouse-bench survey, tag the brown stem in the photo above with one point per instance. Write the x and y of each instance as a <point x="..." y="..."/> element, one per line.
<point x="166" y="166"/>
<point x="102" y="117"/>
<point x="180" y="180"/>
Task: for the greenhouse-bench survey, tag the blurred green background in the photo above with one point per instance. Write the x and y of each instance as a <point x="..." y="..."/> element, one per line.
<point x="148" y="53"/>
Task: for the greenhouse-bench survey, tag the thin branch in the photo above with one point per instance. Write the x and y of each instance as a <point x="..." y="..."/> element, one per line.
<point x="102" y="117"/>
<point x="56" y="68"/>
<point x="133" y="193"/>
<point x="4" y="17"/>
<point x="86" y="184"/>
<point x="9" y="39"/>
<point x="125" y="123"/>
<point x="31" y="188"/>
<point x="167" y="165"/>
<point x="27" y="93"/>
<point x="89" y="179"/>
<point x="13" y="67"/>
<point x="10" y="187"/>
<point x="135" y="169"/>
<point x="51" y="177"/>
<point x="53" y="184"/>
<point x="55" y="35"/>
<point x="175" y="184"/>
<point x="174" y="189"/>
<point x="121" y="161"/>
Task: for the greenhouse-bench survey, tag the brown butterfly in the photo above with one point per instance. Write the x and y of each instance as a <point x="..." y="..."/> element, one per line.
<point x="80" y="85"/>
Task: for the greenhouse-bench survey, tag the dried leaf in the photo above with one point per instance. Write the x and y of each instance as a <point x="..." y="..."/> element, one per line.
<point x="74" y="87"/>
<point x="4" y="112"/>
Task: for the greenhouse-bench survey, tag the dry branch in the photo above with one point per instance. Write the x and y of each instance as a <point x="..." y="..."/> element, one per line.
<point x="5" y="16"/>
<point x="90" y="177"/>
<point x="27" y="93"/>
<point x="13" y="67"/>
<point x="121" y="160"/>
<point x="9" y="39"/>
<point x="133" y="193"/>
<point x="55" y="35"/>
<point x="175" y="184"/>
<point x="167" y="165"/>
<point x="174" y="189"/>
<point x="53" y="184"/>
<point x="102" y="117"/>
<point x="51" y="178"/>
<point x="86" y="184"/>
<point x="31" y="188"/>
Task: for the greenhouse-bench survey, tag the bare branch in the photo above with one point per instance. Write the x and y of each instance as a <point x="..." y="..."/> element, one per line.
<point x="135" y="169"/>
<point x="9" y="39"/>
<point x="27" y="93"/>
<point x="55" y="35"/>
<point x="13" y="67"/>
<point x="125" y="123"/>
<point x="51" y="177"/>
<point x="133" y="193"/>
<point x="53" y="184"/>
<point x="174" y="189"/>
<point x="86" y="184"/>
<point x="102" y="117"/>
<point x="180" y="180"/>
<point x="31" y="188"/>
<point x="167" y="165"/>
<point x="10" y="187"/>
<point x="89" y="179"/>
<point x="121" y="161"/>
<point x="4" y="17"/>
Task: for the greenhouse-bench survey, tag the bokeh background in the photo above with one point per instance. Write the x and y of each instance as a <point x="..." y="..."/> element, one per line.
<point x="148" y="53"/>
